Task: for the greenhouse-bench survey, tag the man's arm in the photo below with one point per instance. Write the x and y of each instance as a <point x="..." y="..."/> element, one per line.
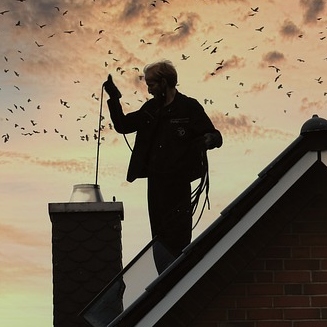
<point x="213" y="140"/>
<point x="123" y="124"/>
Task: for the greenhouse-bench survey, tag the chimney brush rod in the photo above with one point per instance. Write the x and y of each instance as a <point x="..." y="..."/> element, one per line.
<point x="99" y="138"/>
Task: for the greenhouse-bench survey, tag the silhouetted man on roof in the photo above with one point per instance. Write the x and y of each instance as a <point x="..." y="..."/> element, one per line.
<point x="173" y="133"/>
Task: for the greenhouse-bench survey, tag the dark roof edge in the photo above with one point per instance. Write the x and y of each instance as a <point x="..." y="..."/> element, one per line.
<point x="310" y="140"/>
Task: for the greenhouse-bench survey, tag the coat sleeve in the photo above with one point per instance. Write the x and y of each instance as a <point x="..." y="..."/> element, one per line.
<point x="124" y="123"/>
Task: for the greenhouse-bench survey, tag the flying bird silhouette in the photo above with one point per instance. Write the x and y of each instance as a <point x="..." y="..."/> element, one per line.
<point x="260" y="29"/>
<point x="38" y="44"/>
<point x="232" y="24"/>
<point x="276" y="68"/>
<point x="277" y="77"/>
<point x="214" y="50"/>
<point x="184" y="57"/>
<point x="319" y="80"/>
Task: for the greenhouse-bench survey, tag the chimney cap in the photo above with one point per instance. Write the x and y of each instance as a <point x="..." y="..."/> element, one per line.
<point x="314" y="124"/>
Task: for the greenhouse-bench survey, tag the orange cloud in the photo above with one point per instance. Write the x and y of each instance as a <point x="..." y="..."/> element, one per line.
<point x="241" y="127"/>
<point x="15" y="235"/>
<point x="258" y="87"/>
<point x="307" y="105"/>
<point x="187" y="25"/>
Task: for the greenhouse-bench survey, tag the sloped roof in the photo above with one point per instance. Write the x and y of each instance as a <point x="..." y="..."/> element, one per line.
<point x="305" y="156"/>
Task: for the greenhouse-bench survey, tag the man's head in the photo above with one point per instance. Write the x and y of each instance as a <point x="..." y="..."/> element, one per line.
<point x="160" y="76"/>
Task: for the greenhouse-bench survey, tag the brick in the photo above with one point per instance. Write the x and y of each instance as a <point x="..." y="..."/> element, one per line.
<point x="319" y="301"/>
<point x="264" y="276"/>
<point x="254" y="302"/>
<point x="265" y="289"/>
<point x="299" y="264"/>
<point x="301" y="252"/>
<point x="265" y="314"/>
<point x="293" y="289"/>
<point x="215" y="314"/>
<point x="288" y="240"/>
<point x="319" y="252"/>
<point x="319" y="276"/>
<point x="258" y="264"/>
<point x="292" y="301"/>
<point x="292" y="276"/>
<point x="317" y="227"/>
<point x="313" y="323"/>
<point x="315" y="289"/>
<point x="274" y="264"/>
<point x="237" y="314"/>
<point x="237" y="289"/>
<point x="237" y="324"/>
<point x="313" y="240"/>
<point x="278" y="252"/>
<point x="274" y="324"/>
<point x="246" y="277"/>
<point x="323" y="313"/>
<point x="302" y="313"/>
<point x="224" y="302"/>
<point x="204" y="324"/>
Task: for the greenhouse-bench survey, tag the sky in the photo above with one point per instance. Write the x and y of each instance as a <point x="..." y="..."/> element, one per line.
<point x="258" y="68"/>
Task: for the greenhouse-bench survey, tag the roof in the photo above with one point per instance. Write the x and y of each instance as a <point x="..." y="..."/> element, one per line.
<point x="305" y="157"/>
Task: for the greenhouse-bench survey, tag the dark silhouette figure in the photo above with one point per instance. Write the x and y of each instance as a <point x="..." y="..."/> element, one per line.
<point x="173" y="133"/>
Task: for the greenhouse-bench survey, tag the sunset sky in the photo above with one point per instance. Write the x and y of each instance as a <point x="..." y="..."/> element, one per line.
<point x="258" y="67"/>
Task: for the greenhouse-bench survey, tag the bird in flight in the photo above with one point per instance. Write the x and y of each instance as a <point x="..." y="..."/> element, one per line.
<point x="276" y="68"/>
<point x="260" y="29"/>
<point x="178" y="27"/>
<point x="214" y="50"/>
<point x="38" y="44"/>
<point x="319" y="80"/>
<point x="41" y="26"/>
<point x="277" y="77"/>
<point x="232" y="24"/>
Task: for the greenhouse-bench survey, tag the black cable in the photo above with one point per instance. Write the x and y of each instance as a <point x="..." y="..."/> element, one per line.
<point x="129" y="146"/>
<point x="203" y="186"/>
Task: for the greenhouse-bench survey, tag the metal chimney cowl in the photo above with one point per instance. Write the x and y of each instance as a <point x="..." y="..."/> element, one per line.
<point x="86" y="193"/>
<point x="86" y="251"/>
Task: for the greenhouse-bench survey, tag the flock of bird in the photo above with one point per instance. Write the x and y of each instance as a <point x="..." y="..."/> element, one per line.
<point x="9" y="114"/>
<point x="33" y="127"/>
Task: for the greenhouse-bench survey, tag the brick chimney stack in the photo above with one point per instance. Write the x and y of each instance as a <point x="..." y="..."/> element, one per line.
<point x="86" y="255"/>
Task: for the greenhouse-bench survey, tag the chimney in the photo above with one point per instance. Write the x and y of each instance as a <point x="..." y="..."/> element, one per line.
<point x="86" y="252"/>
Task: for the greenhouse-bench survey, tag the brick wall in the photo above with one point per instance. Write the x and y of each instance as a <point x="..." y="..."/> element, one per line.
<point x="285" y="286"/>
